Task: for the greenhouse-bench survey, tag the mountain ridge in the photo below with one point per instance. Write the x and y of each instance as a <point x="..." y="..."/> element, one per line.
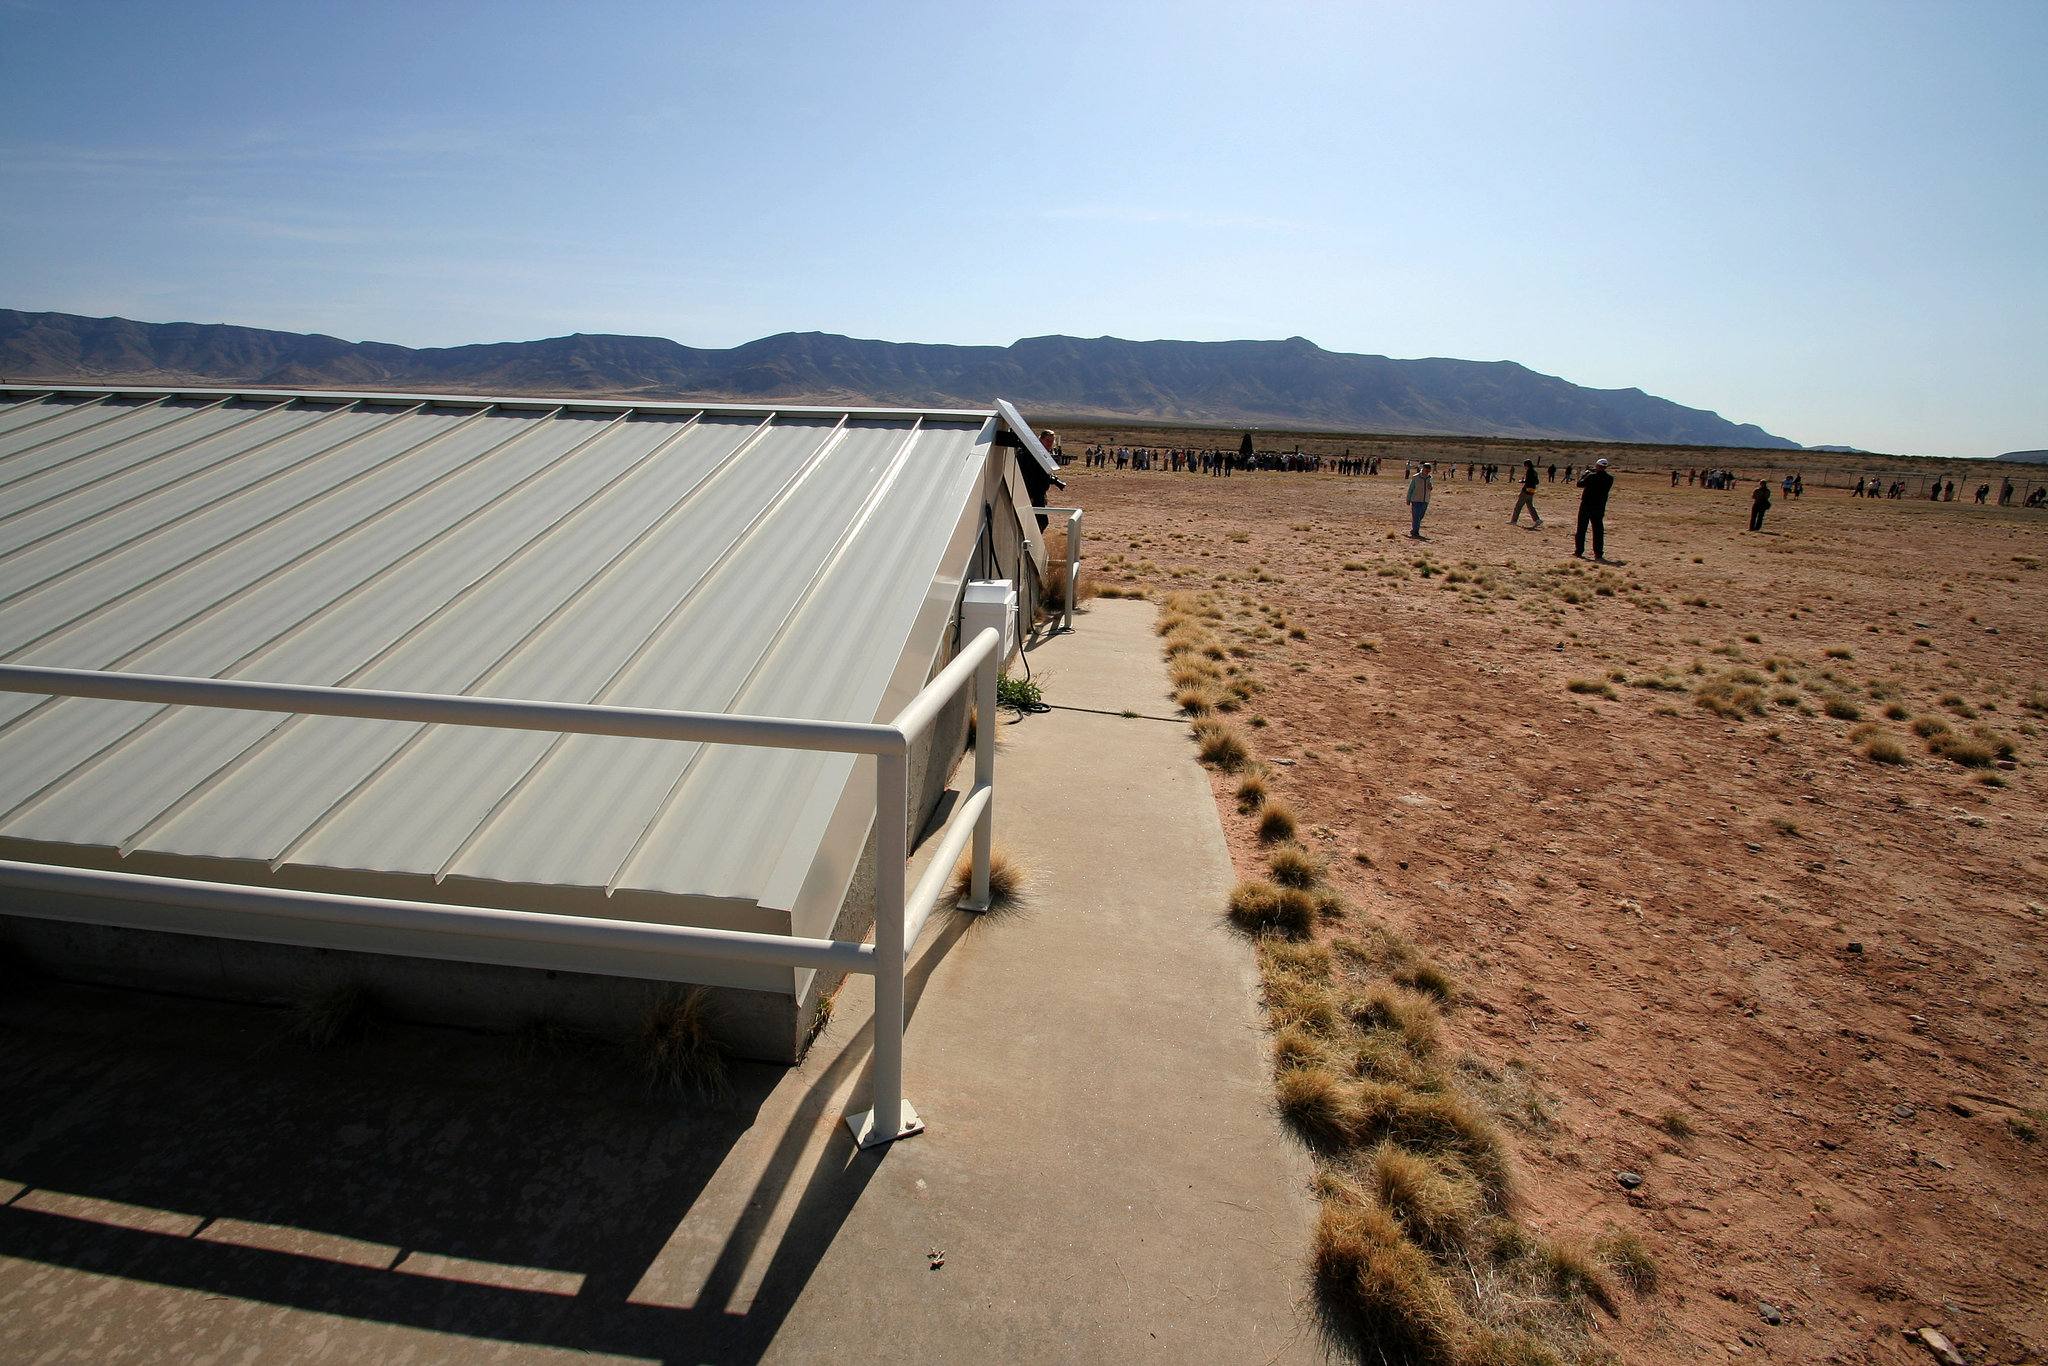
<point x="1237" y="383"/>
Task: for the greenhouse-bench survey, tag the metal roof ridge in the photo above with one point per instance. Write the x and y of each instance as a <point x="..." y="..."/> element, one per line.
<point x="520" y="400"/>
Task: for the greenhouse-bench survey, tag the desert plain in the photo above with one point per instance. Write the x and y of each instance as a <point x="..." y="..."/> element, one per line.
<point x="1737" y="846"/>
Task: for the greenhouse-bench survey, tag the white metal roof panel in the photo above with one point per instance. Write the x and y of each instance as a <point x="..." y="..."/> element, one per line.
<point x="655" y="555"/>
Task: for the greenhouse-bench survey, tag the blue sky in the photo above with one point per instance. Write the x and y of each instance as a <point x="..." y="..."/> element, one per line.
<point x="1831" y="220"/>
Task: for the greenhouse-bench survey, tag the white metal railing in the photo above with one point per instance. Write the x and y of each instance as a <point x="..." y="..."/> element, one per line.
<point x="1073" y="559"/>
<point x="484" y="934"/>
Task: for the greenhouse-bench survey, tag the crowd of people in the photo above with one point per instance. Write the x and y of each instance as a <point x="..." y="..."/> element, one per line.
<point x="1221" y="464"/>
<point x="1944" y="491"/>
<point x="1183" y="460"/>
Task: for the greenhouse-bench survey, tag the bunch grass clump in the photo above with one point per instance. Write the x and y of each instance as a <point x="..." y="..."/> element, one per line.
<point x="1293" y="866"/>
<point x="1220" y="744"/>
<point x="1733" y="693"/>
<point x="1267" y="908"/>
<point x="1417" y="1254"/>
<point x="1276" y="821"/>
<point x="1968" y="751"/>
<point x="1841" y="708"/>
<point x="675" y="1049"/>
<point x="1009" y="883"/>
<point x="333" y="1016"/>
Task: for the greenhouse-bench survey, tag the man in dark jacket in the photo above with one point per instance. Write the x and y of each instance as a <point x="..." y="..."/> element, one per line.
<point x="1759" y="504"/>
<point x="1594" y="486"/>
<point x="1528" y="498"/>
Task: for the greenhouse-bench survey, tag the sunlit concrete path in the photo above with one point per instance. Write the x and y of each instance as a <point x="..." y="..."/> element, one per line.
<point x="1102" y="1174"/>
<point x="1102" y="1178"/>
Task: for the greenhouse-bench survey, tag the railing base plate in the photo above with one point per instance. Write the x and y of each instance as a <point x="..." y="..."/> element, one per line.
<point x="863" y="1126"/>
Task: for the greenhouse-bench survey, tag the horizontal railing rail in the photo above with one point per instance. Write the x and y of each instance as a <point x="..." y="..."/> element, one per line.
<point x="533" y="939"/>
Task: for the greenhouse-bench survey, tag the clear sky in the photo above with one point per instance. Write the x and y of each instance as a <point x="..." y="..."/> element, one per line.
<point x="1828" y="219"/>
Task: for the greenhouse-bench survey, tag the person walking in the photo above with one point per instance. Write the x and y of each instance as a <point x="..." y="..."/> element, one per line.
<point x="1593" y="491"/>
<point x="1528" y="498"/>
<point x="1759" y="504"/>
<point x="1418" y="500"/>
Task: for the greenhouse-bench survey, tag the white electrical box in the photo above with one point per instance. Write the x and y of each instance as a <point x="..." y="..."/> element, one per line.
<point x="990" y="603"/>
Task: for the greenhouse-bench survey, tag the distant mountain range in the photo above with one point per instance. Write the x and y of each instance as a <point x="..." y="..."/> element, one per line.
<point x="1292" y="383"/>
<point x="2035" y="457"/>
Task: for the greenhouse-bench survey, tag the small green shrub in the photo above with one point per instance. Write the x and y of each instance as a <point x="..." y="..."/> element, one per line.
<point x="1019" y="694"/>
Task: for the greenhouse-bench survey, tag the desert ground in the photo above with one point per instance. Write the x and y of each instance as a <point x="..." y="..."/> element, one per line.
<point x="1796" y="990"/>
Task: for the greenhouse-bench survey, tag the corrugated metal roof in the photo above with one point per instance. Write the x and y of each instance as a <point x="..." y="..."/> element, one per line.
<point x="772" y="562"/>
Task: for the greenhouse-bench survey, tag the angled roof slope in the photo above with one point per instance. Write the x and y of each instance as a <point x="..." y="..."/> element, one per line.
<point x="774" y="563"/>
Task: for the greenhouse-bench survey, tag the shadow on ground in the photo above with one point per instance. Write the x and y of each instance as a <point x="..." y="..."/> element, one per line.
<point x="533" y="1192"/>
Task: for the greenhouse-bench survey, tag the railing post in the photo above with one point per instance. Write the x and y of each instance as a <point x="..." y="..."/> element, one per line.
<point x="1073" y="564"/>
<point x="984" y="774"/>
<point x="891" y="1117"/>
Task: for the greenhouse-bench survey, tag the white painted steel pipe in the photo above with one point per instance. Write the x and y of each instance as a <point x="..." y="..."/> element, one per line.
<point x="1073" y="560"/>
<point x="885" y="1121"/>
<point x="966" y="821"/>
<point x="911" y="721"/>
<point x="328" y="920"/>
<point x="491" y="935"/>
<point x="579" y="718"/>
<point x="984" y="777"/>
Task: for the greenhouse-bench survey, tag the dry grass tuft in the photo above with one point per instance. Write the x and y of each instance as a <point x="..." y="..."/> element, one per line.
<point x="1381" y="1291"/>
<point x="1970" y="753"/>
<point x="1276" y="821"/>
<point x="1629" y="1260"/>
<point x="1435" y="1206"/>
<point x="1573" y="1271"/>
<point x="1417" y="1257"/>
<point x="1218" y="743"/>
<point x="1394" y="955"/>
<point x="1734" y="693"/>
<point x="332" y="1016"/>
<point x="1883" y="749"/>
<point x="1009" y="883"/>
<point x="1316" y="1102"/>
<point x="1595" y="686"/>
<point x="1262" y="908"/>
<point x="1675" y="1123"/>
<point x="545" y="1037"/>
<point x="1841" y="708"/>
<point x="1410" y="1015"/>
<point x="1251" y="792"/>
<point x="1052" y="594"/>
<point x="674" y="1048"/>
<point x="1293" y="866"/>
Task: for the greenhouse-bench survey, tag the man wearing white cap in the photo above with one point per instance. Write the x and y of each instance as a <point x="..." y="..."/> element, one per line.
<point x="1593" y="491"/>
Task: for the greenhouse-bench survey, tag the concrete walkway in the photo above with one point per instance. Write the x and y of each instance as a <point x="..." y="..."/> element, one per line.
<point x="1102" y="1171"/>
<point x="1102" y="1179"/>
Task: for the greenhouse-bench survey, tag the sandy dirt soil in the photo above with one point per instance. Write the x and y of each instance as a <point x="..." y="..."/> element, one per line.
<point x="1797" y="991"/>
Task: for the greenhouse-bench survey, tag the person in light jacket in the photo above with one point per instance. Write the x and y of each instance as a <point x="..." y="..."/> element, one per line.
<point x="1418" y="499"/>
